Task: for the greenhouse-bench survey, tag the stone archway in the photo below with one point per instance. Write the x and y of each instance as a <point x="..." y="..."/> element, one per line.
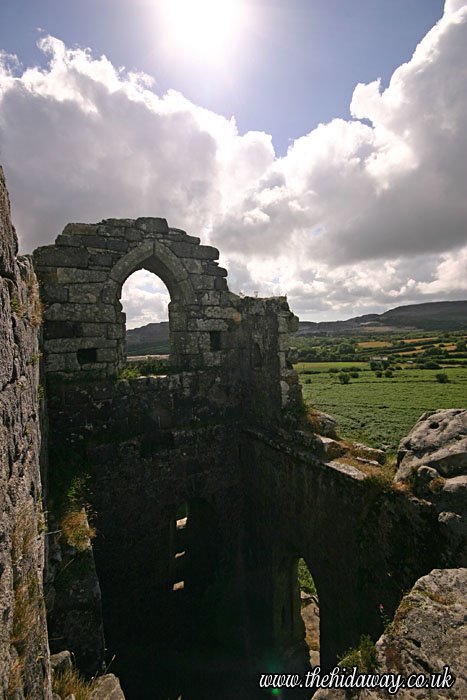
<point x="156" y="257"/>
<point x="82" y="275"/>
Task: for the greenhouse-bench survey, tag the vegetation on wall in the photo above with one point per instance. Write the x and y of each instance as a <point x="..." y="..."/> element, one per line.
<point x="26" y="595"/>
<point x="68" y="502"/>
<point x="362" y="656"/>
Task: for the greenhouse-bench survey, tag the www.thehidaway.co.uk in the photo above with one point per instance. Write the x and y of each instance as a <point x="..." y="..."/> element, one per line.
<point x="352" y="678"/>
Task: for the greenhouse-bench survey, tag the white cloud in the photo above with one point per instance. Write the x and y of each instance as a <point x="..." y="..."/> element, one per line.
<point x="144" y="299"/>
<point x="358" y="216"/>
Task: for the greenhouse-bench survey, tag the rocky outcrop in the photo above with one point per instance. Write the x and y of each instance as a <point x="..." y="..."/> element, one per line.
<point x="23" y="635"/>
<point x="322" y="423"/>
<point x="107" y="688"/>
<point x="432" y="462"/>
<point x="427" y="634"/>
<point x="438" y="440"/>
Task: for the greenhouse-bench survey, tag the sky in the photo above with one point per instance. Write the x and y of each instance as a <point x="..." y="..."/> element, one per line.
<point x="319" y="144"/>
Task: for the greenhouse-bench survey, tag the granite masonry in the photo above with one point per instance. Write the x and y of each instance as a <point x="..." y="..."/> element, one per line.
<point x="24" y="651"/>
<point x="204" y="486"/>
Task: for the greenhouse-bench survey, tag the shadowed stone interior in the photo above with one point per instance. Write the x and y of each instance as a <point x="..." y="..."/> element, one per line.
<point x="206" y="487"/>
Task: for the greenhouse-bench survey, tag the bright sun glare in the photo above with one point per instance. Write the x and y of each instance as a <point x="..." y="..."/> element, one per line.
<point x="206" y="28"/>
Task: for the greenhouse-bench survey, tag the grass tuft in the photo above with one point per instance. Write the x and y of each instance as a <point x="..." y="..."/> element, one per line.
<point x="70" y="682"/>
<point x="76" y="529"/>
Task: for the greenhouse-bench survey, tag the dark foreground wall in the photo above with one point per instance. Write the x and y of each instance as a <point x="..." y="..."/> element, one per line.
<point x="23" y="636"/>
<point x="155" y="451"/>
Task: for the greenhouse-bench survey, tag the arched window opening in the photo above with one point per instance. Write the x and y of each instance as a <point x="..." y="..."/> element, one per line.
<point x="309" y="610"/>
<point x="145" y="300"/>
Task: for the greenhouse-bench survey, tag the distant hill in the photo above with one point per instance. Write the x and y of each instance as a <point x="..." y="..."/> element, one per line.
<point x="435" y="315"/>
<point x="153" y="339"/>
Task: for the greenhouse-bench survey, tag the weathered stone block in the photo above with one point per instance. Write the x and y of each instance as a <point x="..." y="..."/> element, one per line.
<point x="61" y="329"/>
<point x="115" y="331"/>
<point x="66" y="275"/>
<point x="219" y="312"/>
<point x="105" y="354"/>
<point x="67" y="256"/>
<point x="212" y="359"/>
<point x="208" y="252"/>
<point x="55" y="292"/>
<point x="74" y="241"/>
<point x="79" y="229"/>
<point x="282" y="324"/>
<point x="48" y="275"/>
<point x="84" y="293"/>
<point x="62" y="362"/>
<point x="283" y="342"/>
<point x="80" y="312"/>
<point x="184" y="343"/>
<point x="133" y="235"/>
<point x="179" y="234"/>
<point x="92" y="330"/>
<point x="210" y="298"/>
<point x="124" y="223"/>
<point x="190" y="250"/>
<point x="150" y="224"/>
<point x="203" y="283"/>
<point x="117" y="244"/>
<point x="110" y="292"/>
<point x="92" y="241"/>
<point x="292" y="323"/>
<point x="193" y="266"/>
<point x="178" y="321"/>
<point x="100" y="260"/>
<point x="220" y="283"/>
<point x="204" y="341"/>
<point x="214" y="269"/>
<point x="207" y="324"/>
<point x="73" y="344"/>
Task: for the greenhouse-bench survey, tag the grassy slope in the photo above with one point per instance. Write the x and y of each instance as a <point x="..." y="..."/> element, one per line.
<point x="382" y="411"/>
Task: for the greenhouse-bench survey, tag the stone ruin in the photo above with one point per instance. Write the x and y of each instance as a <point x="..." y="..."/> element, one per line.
<point x="206" y="485"/>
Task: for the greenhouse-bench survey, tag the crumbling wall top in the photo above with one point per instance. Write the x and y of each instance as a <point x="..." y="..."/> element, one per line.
<point x="244" y="339"/>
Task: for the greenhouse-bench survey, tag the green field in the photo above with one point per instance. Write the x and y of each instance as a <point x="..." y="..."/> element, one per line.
<point x="380" y="411"/>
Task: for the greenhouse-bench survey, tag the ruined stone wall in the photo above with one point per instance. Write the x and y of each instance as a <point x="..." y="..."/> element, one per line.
<point x="82" y="275"/>
<point x="23" y="636"/>
<point x="205" y="485"/>
<point x="364" y="544"/>
<point x="146" y="447"/>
